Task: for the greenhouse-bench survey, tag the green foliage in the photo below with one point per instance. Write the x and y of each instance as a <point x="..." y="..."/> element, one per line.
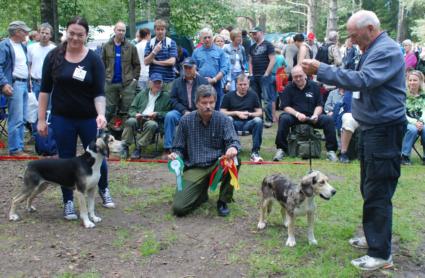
<point x="188" y="17"/>
<point x="150" y="245"/>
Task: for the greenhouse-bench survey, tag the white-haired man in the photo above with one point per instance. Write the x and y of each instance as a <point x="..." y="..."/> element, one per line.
<point x="378" y="105"/>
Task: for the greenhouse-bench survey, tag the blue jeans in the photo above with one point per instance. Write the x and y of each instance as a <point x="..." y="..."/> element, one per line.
<point x="379" y="172"/>
<point x="17" y="110"/>
<point x="233" y="77"/>
<point x="219" y="89"/>
<point x="66" y="131"/>
<point x="263" y="86"/>
<point x="171" y="120"/>
<point x="255" y="127"/>
<point x="410" y="139"/>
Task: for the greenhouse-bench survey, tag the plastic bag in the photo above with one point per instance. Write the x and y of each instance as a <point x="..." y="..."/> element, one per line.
<point x="32" y="108"/>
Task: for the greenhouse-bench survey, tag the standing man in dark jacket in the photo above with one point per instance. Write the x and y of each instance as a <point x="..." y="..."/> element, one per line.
<point x="182" y="99"/>
<point x="122" y="68"/>
<point x="378" y="105"/>
<point x="14" y="83"/>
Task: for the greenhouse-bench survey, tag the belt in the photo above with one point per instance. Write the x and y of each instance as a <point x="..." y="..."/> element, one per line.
<point x="19" y="79"/>
<point x="36" y="80"/>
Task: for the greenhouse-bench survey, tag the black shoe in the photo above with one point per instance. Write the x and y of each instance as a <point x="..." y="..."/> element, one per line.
<point x="137" y="153"/>
<point x="343" y="158"/>
<point x="405" y="160"/>
<point x="124" y="152"/>
<point x="222" y="209"/>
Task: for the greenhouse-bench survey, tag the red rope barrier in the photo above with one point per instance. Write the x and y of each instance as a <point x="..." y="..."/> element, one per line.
<point x="25" y="158"/>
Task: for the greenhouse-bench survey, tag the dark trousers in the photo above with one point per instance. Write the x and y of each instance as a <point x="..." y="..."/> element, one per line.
<point x="324" y="122"/>
<point x="66" y="131"/>
<point x="379" y="172"/>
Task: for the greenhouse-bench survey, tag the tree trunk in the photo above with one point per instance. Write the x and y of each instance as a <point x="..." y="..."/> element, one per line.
<point x="332" y="24"/>
<point x="163" y="10"/>
<point x="311" y="16"/>
<point x="49" y="14"/>
<point x="132" y="17"/>
<point x="401" y="19"/>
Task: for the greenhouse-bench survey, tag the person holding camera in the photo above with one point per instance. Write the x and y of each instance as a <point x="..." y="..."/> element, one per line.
<point x="146" y="115"/>
<point x="302" y="104"/>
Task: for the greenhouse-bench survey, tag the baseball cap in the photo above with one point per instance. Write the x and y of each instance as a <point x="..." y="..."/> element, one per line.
<point x="311" y="36"/>
<point x="256" y="29"/>
<point x="155" y="77"/>
<point x="15" y="25"/>
<point x="189" y="62"/>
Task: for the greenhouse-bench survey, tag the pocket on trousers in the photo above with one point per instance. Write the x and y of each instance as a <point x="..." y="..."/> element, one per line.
<point x="384" y="166"/>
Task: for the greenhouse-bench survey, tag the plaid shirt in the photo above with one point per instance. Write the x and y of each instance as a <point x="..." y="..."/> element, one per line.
<point x="201" y="145"/>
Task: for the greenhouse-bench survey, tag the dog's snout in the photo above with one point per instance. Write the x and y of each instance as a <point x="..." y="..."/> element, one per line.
<point x="333" y="192"/>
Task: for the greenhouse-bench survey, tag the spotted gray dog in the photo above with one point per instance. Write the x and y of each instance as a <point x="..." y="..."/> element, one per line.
<point x="295" y="199"/>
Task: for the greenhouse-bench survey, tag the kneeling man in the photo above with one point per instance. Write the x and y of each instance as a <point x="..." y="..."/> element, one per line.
<point x="302" y="104"/>
<point x="244" y="108"/>
<point x="202" y="137"/>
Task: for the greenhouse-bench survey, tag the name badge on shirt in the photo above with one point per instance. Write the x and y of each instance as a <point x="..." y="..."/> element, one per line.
<point x="356" y="94"/>
<point x="79" y="73"/>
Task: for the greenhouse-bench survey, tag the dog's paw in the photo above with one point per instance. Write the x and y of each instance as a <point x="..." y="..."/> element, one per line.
<point x="31" y="209"/>
<point x="89" y="224"/>
<point x="290" y="242"/>
<point x="96" y="219"/>
<point x="261" y="225"/>
<point x="286" y="223"/>
<point x="14" y="217"/>
<point x="312" y="241"/>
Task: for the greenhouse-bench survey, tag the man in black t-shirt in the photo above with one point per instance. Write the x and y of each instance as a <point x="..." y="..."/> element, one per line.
<point x="244" y="108"/>
<point x="261" y="62"/>
<point x="302" y="104"/>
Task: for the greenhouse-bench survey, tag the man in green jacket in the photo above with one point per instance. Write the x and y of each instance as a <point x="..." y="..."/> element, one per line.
<point x="122" y="69"/>
<point x="146" y="114"/>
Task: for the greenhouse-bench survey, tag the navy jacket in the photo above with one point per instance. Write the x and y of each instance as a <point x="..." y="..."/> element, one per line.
<point x="7" y="60"/>
<point x="178" y="95"/>
<point x="380" y="80"/>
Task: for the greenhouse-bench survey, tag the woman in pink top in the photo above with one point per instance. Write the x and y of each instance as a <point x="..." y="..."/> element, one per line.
<point x="409" y="58"/>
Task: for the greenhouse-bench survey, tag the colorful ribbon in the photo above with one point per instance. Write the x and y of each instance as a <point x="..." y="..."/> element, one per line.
<point x="222" y="167"/>
<point x="176" y="166"/>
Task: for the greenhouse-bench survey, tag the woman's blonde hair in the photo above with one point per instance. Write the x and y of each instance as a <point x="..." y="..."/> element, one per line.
<point x="419" y="75"/>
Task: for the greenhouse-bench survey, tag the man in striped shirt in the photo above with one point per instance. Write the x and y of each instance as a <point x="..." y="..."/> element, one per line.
<point x="161" y="54"/>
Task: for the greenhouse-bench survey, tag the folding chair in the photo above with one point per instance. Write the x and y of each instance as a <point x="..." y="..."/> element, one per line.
<point x="416" y="151"/>
<point x="3" y="116"/>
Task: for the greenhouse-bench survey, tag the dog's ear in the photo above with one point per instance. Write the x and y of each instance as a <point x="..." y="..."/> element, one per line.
<point x="307" y="186"/>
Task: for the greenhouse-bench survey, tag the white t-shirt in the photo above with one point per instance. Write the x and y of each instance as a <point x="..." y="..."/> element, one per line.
<point x="144" y="69"/>
<point x="150" y="107"/>
<point x="36" y="55"/>
<point x="20" y="68"/>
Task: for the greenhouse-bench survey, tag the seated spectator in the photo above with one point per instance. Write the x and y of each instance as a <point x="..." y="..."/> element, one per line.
<point x="302" y="104"/>
<point x="345" y="122"/>
<point x="182" y="100"/>
<point x="415" y="112"/>
<point x="334" y="97"/>
<point x="146" y="113"/>
<point x="243" y="107"/>
<point x="200" y="151"/>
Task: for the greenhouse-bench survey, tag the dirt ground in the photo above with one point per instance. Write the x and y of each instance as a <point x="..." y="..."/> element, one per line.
<point x="45" y="245"/>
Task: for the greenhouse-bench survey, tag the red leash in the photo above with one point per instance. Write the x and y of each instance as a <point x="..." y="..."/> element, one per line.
<point x="25" y="158"/>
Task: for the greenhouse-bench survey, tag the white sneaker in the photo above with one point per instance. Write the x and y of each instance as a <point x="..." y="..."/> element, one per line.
<point x="106" y="198"/>
<point x="358" y="242"/>
<point x="280" y="154"/>
<point x="371" y="263"/>
<point x="331" y="155"/>
<point x="69" y="211"/>
<point x="255" y="157"/>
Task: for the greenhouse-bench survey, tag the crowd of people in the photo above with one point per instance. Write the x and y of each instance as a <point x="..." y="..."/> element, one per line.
<point x="227" y="87"/>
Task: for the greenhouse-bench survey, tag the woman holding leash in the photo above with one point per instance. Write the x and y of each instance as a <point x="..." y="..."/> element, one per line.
<point x="75" y="76"/>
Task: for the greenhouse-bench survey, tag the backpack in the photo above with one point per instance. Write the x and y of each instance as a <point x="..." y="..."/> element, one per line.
<point x="45" y="146"/>
<point x="323" y="53"/>
<point x="299" y="142"/>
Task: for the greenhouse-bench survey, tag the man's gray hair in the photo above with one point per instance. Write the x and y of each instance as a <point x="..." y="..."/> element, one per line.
<point x="333" y="36"/>
<point x="206" y="31"/>
<point x="46" y="25"/>
<point x="205" y="91"/>
<point x="365" y="18"/>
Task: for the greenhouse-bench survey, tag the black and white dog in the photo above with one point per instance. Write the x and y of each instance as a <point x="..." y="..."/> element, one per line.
<point x="295" y="199"/>
<point x="80" y="174"/>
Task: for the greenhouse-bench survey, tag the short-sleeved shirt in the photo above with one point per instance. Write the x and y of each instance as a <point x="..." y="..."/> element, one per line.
<point x="233" y="102"/>
<point x="166" y="52"/>
<point x="36" y="55"/>
<point x="303" y="101"/>
<point x="260" y="56"/>
<point x="71" y="97"/>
